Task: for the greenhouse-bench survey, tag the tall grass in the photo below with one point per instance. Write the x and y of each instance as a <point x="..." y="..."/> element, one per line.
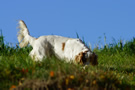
<point x="1" y="41"/>
<point x="115" y="70"/>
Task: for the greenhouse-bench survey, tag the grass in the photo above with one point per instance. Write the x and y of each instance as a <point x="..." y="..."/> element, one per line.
<point x="116" y="70"/>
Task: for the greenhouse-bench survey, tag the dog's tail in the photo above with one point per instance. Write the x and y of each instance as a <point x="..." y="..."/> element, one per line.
<point x="23" y="36"/>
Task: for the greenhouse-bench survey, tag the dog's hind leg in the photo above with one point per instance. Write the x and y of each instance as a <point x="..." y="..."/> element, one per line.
<point x="32" y="54"/>
<point x="36" y="56"/>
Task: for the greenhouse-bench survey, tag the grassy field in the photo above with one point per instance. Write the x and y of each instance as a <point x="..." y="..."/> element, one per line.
<point x="115" y="71"/>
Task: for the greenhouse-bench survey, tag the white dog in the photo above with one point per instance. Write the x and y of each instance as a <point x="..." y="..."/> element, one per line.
<point x="69" y="49"/>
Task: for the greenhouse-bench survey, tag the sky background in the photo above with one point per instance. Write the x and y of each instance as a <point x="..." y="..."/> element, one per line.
<point x="89" y="18"/>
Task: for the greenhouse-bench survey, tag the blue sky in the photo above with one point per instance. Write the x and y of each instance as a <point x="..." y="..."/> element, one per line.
<point x="89" y="18"/>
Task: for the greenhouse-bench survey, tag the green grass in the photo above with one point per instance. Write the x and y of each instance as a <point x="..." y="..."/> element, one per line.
<point x="116" y="70"/>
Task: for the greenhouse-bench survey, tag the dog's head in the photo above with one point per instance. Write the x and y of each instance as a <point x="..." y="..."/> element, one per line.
<point x="85" y="58"/>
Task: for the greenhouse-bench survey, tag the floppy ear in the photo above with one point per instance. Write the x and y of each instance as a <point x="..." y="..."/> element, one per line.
<point x="93" y="59"/>
<point x="80" y="58"/>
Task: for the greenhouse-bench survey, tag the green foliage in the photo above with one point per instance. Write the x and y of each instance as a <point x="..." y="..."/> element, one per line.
<point x="1" y="41"/>
<point x="129" y="47"/>
<point x="116" y="70"/>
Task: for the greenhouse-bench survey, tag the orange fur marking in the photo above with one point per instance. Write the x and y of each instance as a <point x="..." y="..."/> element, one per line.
<point x="63" y="46"/>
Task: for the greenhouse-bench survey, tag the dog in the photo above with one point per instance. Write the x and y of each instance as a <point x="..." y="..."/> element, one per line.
<point x="64" y="48"/>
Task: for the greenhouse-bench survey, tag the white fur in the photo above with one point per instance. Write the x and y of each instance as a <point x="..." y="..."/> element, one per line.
<point x="45" y="46"/>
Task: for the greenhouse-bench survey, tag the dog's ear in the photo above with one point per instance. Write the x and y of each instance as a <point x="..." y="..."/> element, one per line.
<point x="94" y="59"/>
<point x="80" y="58"/>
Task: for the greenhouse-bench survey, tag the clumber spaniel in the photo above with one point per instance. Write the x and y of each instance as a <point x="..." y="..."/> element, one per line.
<point x="69" y="49"/>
